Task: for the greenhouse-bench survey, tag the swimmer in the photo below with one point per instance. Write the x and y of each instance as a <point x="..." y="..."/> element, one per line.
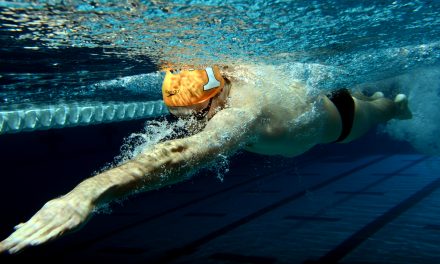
<point x="258" y="109"/>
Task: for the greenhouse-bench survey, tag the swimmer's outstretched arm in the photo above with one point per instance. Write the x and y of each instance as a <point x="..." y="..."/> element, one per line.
<point x="165" y="164"/>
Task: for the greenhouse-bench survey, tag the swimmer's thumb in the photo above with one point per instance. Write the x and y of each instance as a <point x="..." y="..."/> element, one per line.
<point x="18" y="226"/>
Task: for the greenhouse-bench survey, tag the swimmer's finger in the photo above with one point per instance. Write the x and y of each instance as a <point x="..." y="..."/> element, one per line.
<point x="3" y="247"/>
<point x="26" y="230"/>
<point x="41" y="219"/>
<point x="16" y="237"/>
<point x="53" y="230"/>
<point x="21" y="234"/>
<point x="9" y="243"/>
<point x="35" y="238"/>
<point x="18" y="247"/>
<point x="51" y="235"/>
<point x="19" y="240"/>
<point x="29" y="234"/>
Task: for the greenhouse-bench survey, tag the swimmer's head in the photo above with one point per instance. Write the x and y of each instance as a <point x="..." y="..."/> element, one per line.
<point x="190" y="91"/>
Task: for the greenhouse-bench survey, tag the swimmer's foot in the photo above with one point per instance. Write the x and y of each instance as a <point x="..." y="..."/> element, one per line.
<point x="402" y="109"/>
<point x="377" y="95"/>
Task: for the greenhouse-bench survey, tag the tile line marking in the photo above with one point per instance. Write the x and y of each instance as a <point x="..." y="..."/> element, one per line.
<point x="191" y="247"/>
<point x="351" y="243"/>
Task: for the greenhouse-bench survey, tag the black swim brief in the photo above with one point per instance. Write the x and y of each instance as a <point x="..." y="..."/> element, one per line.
<point x="345" y="104"/>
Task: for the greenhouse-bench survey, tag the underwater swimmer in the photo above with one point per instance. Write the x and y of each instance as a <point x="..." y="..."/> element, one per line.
<point x="258" y="109"/>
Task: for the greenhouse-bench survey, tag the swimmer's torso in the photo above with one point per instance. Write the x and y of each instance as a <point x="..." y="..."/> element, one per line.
<point x="289" y="122"/>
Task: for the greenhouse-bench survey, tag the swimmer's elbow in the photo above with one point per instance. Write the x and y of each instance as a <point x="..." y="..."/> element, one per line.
<point x="200" y="148"/>
<point x="222" y="137"/>
<point x="168" y="155"/>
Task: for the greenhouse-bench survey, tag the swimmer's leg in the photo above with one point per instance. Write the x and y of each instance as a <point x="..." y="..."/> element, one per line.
<point x="377" y="109"/>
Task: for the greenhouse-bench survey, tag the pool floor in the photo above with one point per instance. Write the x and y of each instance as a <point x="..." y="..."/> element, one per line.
<point x="374" y="209"/>
<point x="327" y="206"/>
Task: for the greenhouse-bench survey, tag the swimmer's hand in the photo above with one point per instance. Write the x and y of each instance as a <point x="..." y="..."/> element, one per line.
<point x="57" y="217"/>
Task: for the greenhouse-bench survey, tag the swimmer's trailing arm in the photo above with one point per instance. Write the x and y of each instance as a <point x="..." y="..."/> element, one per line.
<point x="165" y="164"/>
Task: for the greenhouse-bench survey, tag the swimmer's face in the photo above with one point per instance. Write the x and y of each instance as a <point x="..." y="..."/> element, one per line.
<point x="190" y="111"/>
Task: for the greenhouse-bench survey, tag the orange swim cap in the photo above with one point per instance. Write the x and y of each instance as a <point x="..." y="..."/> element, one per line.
<point x="190" y="87"/>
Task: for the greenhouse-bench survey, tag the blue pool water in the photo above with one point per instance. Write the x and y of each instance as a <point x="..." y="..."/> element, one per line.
<point x="77" y="78"/>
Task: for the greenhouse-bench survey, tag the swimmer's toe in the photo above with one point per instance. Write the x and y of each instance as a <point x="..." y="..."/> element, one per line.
<point x="377" y="95"/>
<point x="403" y="111"/>
<point x="400" y="97"/>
